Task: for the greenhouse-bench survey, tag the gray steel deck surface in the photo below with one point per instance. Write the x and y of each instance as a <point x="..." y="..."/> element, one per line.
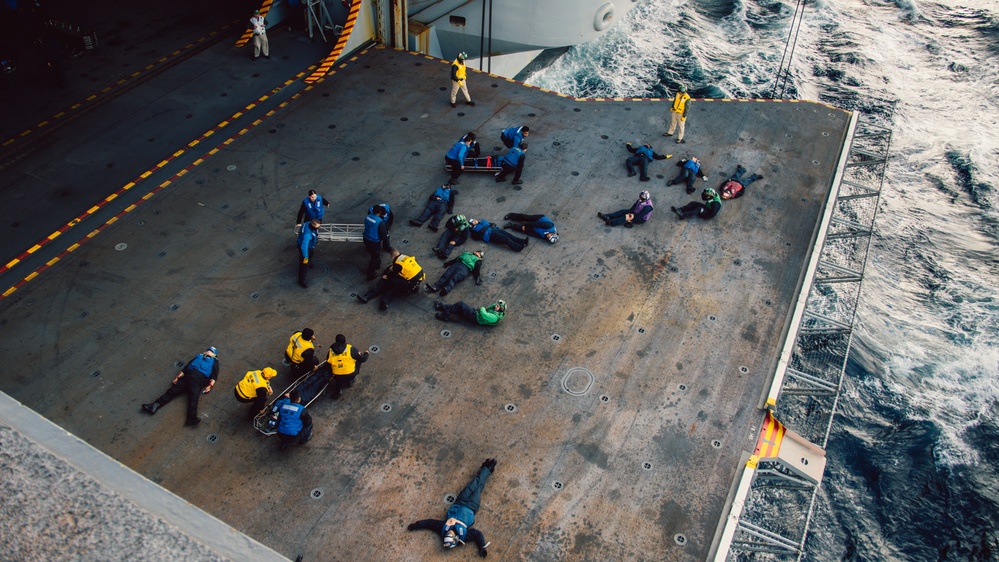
<point x="678" y="322"/>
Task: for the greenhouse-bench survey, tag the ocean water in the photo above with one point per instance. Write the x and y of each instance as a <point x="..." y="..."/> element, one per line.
<point x="913" y="470"/>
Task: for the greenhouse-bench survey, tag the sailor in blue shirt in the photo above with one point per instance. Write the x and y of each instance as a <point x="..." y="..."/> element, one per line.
<point x="642" y="156"/>
<point x="688" y="170"/>
<point x="312" y="208"/>
<point x="538" y="226"/>
<point x="456" y="156"/>
<point x="457" y="529"/>
<point x="513" y="161"/>
<point x="375" y="237"/>
<point x="307" y="237"/>
<point x="197" y="378"/>
<point x="294" y="423"/>
<point x="514" y="136"/>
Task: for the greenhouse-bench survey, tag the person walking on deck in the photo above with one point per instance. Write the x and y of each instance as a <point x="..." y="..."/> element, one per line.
<point x="459" y="75"/>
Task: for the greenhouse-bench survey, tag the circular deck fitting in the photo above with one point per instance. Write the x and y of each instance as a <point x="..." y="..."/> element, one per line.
<point x="415" y="153"/>
<point x="532" y="114"/>
<point x="673" y="269"/>
<point x="95" y="374"/>
<point x="356" y="158"/>
<point x="316" y="493"/>
<point x="174" y="306"/>
<point x="825" y="134"/>
<point x="510" y="408"/>
<point x="646" y="465"/>
<point x="768" y="302"/>
<point x="330" y="126"/>
<point x="255" y="296"/>
<point x="84" y="314"/>
<point x="3" y="322"/>
<point x="573" y="373"/>
<point x="445" y="334"/>
<point x="788" y="135"/>
<point x="557" y="485"/>
<point x="641" y="330"/>
<point x="404" y="119"/>
<point x="716" y="444"/>
<point x="141" y="223"/>
<point x="461" y="114"/>
<point x="178" y="364"/>
<point x="604" y="398"/>
<point x="386" y="407"/>
<point x="282" y="163"/>
<point x="737" y="262"/>
<point x="231" y="167"/>
<point x="680" y="539"/>
<point x="556" y="337"/>
<point x="712" y="318"/>
<point x="212" y="438"/>
<point x="244" y="249"/>
<point x="84" y="263"/>
<point x="374" y="349"/>
<point x="494" y="85"/>
<point x="743" y="369"/>
<point x="574" y="173"/>
<point x="381" y="90"/>
<point x="594" y="276"/>
<point x="405" y="240"/>
<point x="449" y="498"/>
<point x="576" y="109"/>
<point x="682" y="387"/>
<point x="285" y="363"/>
<point x="815" y="162"/>
<point x="492" y="274"/>
<point x="120" y="246"/>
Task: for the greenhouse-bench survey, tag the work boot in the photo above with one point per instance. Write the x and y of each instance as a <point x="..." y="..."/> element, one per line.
<point x="151" y="408"/>
<point x="506" y="217"/>
<point x="303" y="284"/>
<point x="632" y="173"/>
<point x="414" y="222"/>
<point x="667" y="134"/>
<point x="517" y="182"/>
<point x="383" y="305"/>
<point x="671" y="182"/>
<point x="193" y="421"/>
<point x="689" y="189"/>
<point x="602" y="216"/>
<point x="432" y="227"/>
<point x="510" y="226"/>
<point x="471" y="103"/>
<point x="644" y="178"/>
<point x="431" y="288"/>
<point x="490" y="464"/>
<point x="453" y="105"/>
<point x="443" y="292"/>
<point x="500" y="180"/>
<point x="363" y="298"/>
<point x="681" y="141"/>
<point x="440" y="316"/>
<point x="438" y="304"/>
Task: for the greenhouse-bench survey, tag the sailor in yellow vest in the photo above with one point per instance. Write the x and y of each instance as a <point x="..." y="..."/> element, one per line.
<point x="458" y="75"/>
<point x="678" y="113"/>
<point x="255" y="387"/>
<point x="301" y="352"/>
<point x="343" y="363"/>
<point x="401" y="278"/>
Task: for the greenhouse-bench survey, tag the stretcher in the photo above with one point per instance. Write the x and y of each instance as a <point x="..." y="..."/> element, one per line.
<point x="310" y="385"/>
<point x="480" y="164"/>
<point x="338" y="232"/>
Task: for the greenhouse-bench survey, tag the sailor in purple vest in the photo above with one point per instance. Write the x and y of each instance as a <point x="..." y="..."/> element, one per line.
<point x="642" y="156"/>
<point x="640" y="212"/>
<point x="312" y="208"/>
<point x="197" y="378"/>
<point x="457" y="529"/>
<point x="688" y="170"/>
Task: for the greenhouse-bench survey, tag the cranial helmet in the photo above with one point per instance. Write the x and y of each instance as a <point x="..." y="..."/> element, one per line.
<point x="462" y="221"/>
<point x="553" y="238"/>
<point x="644" y="196"/>
<point x="450" y="539"/>
<point x="709" y="193"/>
<point x="502" y="305"/>
<point x="214" y="351"/>
<point x="463" y="55"/>
<point x="683" y="88"/>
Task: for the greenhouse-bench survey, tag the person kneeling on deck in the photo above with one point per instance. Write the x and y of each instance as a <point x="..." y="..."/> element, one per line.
<point x="513" y="161"/>
<point x="343" y="362"/>
<point x="485" y="316"/>
<point x="457" y="528"/>
<point x="401" y="278"/>
<point x="492" y="234"/>
<point x="458" y="269"/>
<point x="254" y="388"/>
<point x="440" y="201"/>
<point x="455" y="234"/>
<point x="514" y="135"/>
<point x="197" y="378"/>
<point x="538" y="226"/>
<point x="642" y="156"/>
<point x="706" y="210"/>
<point x="294" y="423"/>
<point x="456" y="157"/>
<point x="640" y="212"/>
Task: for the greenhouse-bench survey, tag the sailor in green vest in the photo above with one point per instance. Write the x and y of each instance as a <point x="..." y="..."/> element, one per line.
<point x="678" y="113"/>
<point x="458" y="76"/>
<point x="484" y="316"/>
<point x="254" y="388"/>
<point x="401" y="278"/>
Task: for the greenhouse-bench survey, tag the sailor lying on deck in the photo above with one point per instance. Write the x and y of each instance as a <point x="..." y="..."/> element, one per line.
<point x="706" y="210"/>
<point x="689" y="169"/>
<point x="492" y="234"/>
<point x="457" y="528"/>
<point x="735" y="186"/>
<point x="642" y="156"/>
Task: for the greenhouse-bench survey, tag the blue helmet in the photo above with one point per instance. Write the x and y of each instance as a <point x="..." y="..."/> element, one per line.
<point x="214" y="351"/>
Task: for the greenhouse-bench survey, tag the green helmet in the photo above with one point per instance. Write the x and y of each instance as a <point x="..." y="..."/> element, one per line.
<point x="461" y="221"/>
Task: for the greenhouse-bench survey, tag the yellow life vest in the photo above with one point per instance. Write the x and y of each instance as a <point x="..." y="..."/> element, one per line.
<point x="460" y="73"/>
<point x="679" y="102"/>
<point x="410" y="269"/>
<point x="342" y="364"/>
<point x="296" y="346"/>
<point x="247" y="388"/>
